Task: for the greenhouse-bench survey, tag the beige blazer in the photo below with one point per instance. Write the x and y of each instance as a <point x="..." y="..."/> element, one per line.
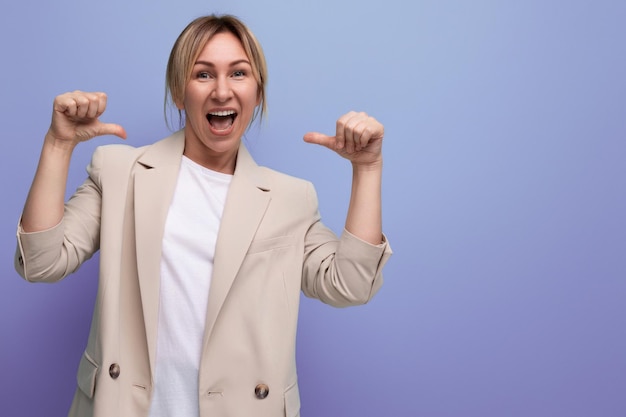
<point x="271" y="245"/>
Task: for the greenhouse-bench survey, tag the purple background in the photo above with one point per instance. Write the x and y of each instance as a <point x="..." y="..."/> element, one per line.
<point x="504" y="192"/>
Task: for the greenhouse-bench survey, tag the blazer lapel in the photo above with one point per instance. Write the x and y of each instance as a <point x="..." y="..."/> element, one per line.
<point x="246" y="203"/>
<point x="155" y="183"/>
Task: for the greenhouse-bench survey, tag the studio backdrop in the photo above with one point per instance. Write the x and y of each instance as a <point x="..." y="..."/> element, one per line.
<point x="504" y="192"/>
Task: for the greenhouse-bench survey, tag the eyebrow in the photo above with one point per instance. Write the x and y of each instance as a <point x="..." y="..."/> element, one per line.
<point x="232" y="64"/>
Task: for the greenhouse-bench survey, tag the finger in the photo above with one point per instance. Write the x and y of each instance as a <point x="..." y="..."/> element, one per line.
<point x="340" y="133"/>
<point x="65" y="104"/>
<point x="362" y="134"/>
<point x="97" y="105"/>
<point x="90" y="105"/>
<point x="351" y="120"/>
<point x="356" y="130"/>
<point x="111" y="129"/>
<point x="82" y="105"/>
<point x="321" y="139"/>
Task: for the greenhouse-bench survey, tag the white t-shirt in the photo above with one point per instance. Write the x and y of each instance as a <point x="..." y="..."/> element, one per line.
<point x="186" y="267"/>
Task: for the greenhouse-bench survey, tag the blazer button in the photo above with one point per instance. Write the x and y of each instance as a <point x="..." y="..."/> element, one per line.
<point x="114" y="371"/>
<point x="20" y="260"/>
<point x="261" y="391"/>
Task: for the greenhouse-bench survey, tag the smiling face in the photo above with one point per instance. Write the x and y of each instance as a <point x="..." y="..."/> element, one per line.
<point x="219" y="102"/>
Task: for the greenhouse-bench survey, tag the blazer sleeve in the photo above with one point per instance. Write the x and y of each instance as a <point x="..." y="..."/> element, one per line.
<point x="50" y="255"/>
<point x="342" y="271"/>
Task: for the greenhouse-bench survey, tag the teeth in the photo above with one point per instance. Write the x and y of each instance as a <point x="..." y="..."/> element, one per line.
<point x="222" y="113"/>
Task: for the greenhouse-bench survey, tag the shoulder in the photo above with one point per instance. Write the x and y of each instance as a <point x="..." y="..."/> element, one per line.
<point x="264" y="177"/>
<point x="119" y="156"/>
<point x="117" y="152"/>
<point x="111" y="159"/>
<point x="282" y="179"/>
<point x="288" y="188"/>
<point x="281" y="182"/>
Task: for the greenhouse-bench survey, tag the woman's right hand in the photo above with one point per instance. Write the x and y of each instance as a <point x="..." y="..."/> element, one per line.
<point x="75" y="118"/>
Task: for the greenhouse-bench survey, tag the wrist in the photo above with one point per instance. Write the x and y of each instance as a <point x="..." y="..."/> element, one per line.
<point x="51" y="142"/>
<point x="369" y="167"/>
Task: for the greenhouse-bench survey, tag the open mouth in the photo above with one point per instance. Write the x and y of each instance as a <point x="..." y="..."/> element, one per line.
<point x="221" y="120"/>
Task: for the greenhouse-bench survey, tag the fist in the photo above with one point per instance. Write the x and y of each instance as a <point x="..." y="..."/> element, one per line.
<point x="358" y="138"/>
<point x="75" y="117"/>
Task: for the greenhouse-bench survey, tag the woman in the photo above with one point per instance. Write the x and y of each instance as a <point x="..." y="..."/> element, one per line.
<point x="202" y="252"/>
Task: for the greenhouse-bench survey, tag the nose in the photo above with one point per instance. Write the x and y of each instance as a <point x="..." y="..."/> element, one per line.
<point x="221" y="90"/>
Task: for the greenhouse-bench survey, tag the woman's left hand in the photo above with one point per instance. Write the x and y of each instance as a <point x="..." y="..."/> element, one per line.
<point x="358" y="138"/>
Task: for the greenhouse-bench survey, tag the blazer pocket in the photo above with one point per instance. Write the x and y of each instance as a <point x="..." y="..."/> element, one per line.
<point x="86" y="376"/>
<point x="292" y="401"/>
<point x="265" y="245"/>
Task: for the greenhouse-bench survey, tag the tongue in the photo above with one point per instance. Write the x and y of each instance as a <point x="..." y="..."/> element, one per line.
<point x="221" y="122"/>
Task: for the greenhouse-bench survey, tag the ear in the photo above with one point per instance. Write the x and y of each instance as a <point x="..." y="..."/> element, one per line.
<point x="179" y="105"/>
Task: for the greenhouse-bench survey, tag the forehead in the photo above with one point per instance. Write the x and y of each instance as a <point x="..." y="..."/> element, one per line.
<point x="222" y="48"/>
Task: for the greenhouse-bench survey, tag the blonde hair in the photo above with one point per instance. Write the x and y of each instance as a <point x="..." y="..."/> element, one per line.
<point x="190" y="44"/>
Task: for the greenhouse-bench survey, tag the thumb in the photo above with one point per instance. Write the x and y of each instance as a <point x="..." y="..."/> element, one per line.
<point x="111" y="129"/>
<point x="320" y="139"/>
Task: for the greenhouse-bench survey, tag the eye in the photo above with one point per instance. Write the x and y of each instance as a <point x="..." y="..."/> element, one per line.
<point x="239" y="73"/>
<point x="203" y="75"/>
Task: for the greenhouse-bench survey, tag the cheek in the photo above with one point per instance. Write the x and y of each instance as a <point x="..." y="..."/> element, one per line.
<point x="191" y="100"/>
<point x="186" y="97"/>
<point x="253" y="97"/>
